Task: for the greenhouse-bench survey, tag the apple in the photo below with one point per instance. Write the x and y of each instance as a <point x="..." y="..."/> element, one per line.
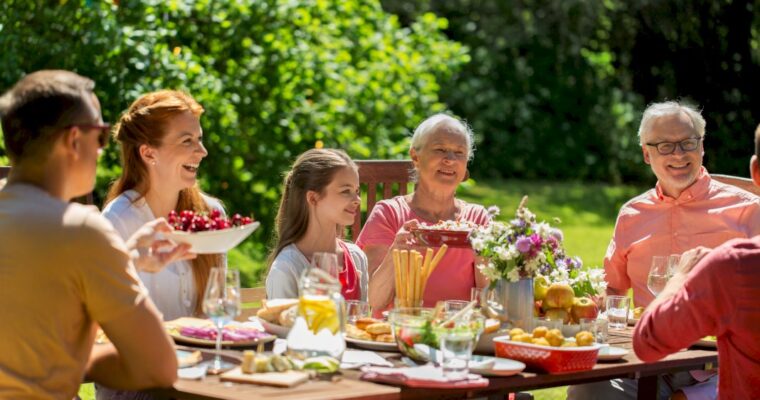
<point x="559" y="295"/>
<point x="558" y="314"/>
<point x="540" y="287"/>
<point x="584" y="307"/>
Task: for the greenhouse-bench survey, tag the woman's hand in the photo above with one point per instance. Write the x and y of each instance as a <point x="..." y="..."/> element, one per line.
<point x="154" y="252"/>
<point x="404" y="239"/>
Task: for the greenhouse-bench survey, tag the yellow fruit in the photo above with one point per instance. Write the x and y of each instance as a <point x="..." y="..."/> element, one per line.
<point x="540" y="332"/>
<point x="319" y="313"/>
<point x="516" y="331"/>
<point x="569" y="344"/>
<point x="554" y="337"/>
<point x="540" y="341"/>
<point x="584" y="338"/>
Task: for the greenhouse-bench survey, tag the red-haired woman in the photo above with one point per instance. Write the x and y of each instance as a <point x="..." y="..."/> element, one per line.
<point x="161" y="151"/>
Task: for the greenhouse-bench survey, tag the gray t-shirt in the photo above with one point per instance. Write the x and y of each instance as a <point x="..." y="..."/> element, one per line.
<point x="283" y="277"/>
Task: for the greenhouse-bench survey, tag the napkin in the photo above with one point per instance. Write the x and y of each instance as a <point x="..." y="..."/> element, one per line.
<point x="357" y="358"/>
<point x="426" y="376"/>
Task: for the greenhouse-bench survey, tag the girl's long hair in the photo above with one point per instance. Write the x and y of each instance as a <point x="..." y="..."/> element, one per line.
<point x="145" y="122"/>
<point x="312" y="171"/>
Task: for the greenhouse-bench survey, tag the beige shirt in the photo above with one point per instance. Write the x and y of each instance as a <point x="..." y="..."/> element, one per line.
<point x="62" y="268"/>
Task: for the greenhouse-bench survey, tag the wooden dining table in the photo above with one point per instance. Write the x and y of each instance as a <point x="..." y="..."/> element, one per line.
<point x="348" y="385"/>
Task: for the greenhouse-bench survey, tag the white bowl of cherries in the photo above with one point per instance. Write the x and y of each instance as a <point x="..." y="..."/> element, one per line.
<point x="210" y="233"/>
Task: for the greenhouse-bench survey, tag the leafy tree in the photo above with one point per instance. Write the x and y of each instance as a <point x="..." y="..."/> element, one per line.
<point x="276" y="77"/>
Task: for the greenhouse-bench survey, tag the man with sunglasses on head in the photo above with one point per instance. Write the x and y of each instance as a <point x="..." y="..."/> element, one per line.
<point x="684" y="210"/>
<point x="64" y="270"/>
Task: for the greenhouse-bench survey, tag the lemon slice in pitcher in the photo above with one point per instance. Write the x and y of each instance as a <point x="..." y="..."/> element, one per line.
<point x="319" y="313"/>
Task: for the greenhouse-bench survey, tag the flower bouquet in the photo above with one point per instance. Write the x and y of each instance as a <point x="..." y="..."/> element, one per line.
<point x="526" y="252"/>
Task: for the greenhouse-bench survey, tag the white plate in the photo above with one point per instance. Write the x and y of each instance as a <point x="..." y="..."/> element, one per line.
<point x="495" y="366"/>
<point x="213" y="242"/>
<point x="372" y="345"/>
<point x="278" y="330"/>
<point x="609" y="353"/>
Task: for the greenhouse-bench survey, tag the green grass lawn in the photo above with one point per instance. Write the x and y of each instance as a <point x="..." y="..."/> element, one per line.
<point x="587" y="213"/>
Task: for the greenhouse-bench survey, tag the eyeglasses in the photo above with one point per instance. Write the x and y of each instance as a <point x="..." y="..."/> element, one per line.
<point x="105" y="131"/>
<point x="686" y="145"/>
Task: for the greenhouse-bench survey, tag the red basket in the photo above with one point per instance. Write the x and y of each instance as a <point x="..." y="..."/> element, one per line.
<point x="550" y="359"/>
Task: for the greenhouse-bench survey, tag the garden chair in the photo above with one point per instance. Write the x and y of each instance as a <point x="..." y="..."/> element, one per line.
<point x="738" y="181"/>
<point x="383" y="178"/>
<point x="250" y="299"/>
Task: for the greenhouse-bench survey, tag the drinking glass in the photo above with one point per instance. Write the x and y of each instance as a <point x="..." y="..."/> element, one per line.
<point x="658" y="274"/>
<point x="355" y="310"/>
<point x="221" y="303"/>
<point x="454" y="305"/>
<point x="327" y="262"/>
<point x="458" y="341"/>
<point x="597" y="327"/>
<point x="617" y="311"/>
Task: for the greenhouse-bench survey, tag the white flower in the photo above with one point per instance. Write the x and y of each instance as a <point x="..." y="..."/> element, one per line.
<point x="514" y="275"/>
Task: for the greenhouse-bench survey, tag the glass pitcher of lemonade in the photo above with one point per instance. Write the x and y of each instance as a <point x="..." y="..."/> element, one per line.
<point x="318" y="329"/>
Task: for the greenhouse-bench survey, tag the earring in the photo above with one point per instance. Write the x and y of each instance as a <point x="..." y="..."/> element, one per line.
<point x="153" y="162"/>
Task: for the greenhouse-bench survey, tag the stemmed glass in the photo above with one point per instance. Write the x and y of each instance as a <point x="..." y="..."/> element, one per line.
<point x="221" y="303"/>
<point x="673" y="261"/>
<point x="659" y="273"/>
<point x="327" y="262"/>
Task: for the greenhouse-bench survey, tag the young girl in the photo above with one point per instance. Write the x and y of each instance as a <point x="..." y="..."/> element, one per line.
<point x="161" y="151"/>
<point x="321" y="197"/>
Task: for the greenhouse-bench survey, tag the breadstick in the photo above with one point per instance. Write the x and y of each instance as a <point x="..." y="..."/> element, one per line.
<point x="437" y="259"/>
<point x="426" y="268"/>
<point x="412" y="279"/>
<point x="404" y="255"/>
<point x="420" y="277"/>
<point x="397" y="271"/>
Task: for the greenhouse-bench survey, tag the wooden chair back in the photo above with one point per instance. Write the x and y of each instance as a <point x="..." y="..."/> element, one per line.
<point x="738" y="181"/>
<point x="87" y="199"/>
<point x="380" y="179"/>
<point x="250" y="299"/>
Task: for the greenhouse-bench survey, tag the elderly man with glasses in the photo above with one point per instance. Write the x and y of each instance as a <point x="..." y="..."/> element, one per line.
<point x="685" y="209"/>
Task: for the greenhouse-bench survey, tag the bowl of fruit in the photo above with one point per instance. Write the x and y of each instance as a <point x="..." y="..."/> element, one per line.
<point x="548" y="350"/>
<point x="418" y="330"/>
<point x="209" y="233"/>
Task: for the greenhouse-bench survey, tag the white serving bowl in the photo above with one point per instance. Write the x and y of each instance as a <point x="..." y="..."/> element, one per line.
<point x="213" y="242"/>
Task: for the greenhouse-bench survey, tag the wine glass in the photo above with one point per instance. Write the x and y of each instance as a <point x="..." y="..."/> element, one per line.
<point x="221" y="303"/>
<point x="328" y="262"/>
<point x="658" y="274"/>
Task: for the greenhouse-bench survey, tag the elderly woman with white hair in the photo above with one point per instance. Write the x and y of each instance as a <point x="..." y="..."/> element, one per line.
<point x="441" y="147"/>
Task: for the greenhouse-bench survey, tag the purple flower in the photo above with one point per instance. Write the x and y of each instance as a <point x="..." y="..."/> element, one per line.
<point x="523" y="244"/>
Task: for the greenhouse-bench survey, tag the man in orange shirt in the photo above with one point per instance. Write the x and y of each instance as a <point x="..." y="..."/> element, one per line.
<point x="63" y="268"/>
<point x="685" y="209"/>
<point x="715" y="296"/>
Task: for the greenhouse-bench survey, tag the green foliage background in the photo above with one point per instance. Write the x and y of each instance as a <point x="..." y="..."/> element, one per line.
<point x="274" y="76"/>
<point x="555" y="89"/>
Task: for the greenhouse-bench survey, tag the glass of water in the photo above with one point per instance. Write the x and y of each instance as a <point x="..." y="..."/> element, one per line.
<point x="617" y="311"/>
<point x="597" y="327"/>
<point x="457" y="342"/>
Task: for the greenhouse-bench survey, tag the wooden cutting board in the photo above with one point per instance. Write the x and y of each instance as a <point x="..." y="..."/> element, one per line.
<point x="279" y="379"/>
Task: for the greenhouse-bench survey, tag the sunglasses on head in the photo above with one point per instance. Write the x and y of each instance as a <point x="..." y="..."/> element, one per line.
<point x="103" y="135"/>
